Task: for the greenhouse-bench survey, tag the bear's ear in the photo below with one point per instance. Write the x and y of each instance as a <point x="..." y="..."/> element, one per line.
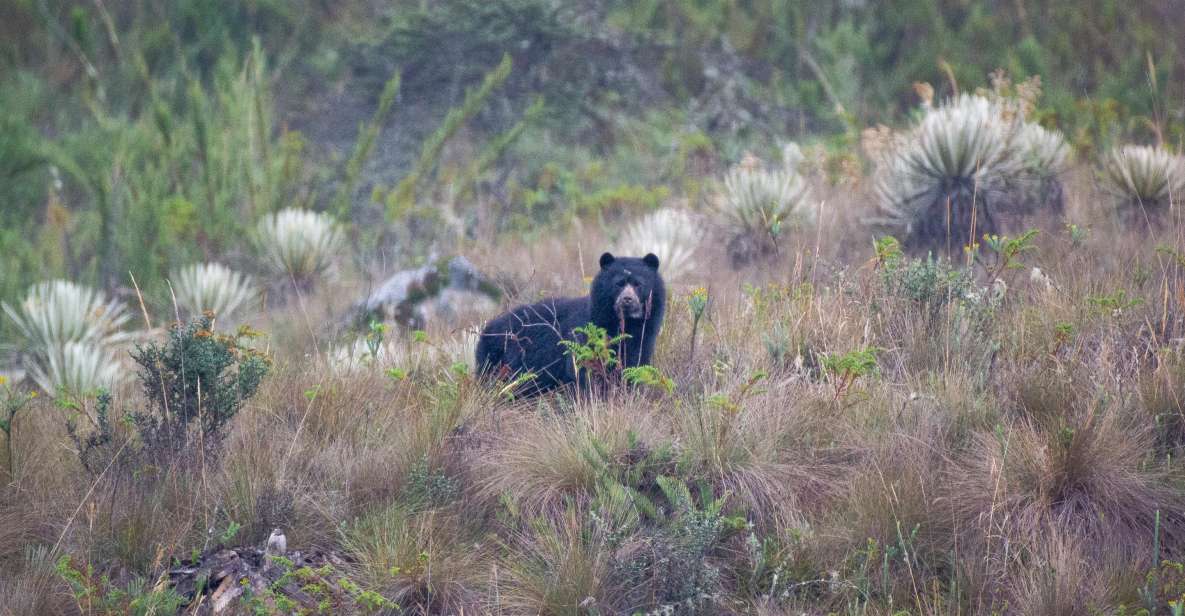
<point x="651" y="260"/>
<point x="607" y="259"/>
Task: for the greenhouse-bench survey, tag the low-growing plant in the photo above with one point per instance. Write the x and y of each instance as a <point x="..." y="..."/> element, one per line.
<point x="680" y="549"/>
<point x="1006" y="252"/>
<point x="845" y="369"/>
<point x="930" y="283"/>
<point x="96" y="594"/>
<point x="734" y="403"/>
<point x="1077" y="234"/>
<point x="332" y="590"/>
<point x="429" y="487"/>
<point x="648" y="376"/>
<point x="1114" y="303"/>
<point x="594" y="354"/>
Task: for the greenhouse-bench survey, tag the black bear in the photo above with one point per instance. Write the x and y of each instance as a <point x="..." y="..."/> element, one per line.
<point x="627" y="297"/>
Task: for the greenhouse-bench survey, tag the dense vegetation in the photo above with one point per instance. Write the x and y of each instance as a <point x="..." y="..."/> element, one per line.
<point x="937" y="368"/>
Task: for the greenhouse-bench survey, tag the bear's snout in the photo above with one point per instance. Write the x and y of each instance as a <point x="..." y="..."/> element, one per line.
<point x="628" y="303"/>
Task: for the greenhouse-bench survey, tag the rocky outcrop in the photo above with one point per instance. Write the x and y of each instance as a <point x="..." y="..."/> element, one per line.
<point x="437" y="290"/>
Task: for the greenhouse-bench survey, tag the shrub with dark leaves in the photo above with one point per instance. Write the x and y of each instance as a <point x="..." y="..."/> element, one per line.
<point x="196" y="378"/>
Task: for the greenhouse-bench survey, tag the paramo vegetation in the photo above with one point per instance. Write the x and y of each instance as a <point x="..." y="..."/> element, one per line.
<point x="924" y="344"/>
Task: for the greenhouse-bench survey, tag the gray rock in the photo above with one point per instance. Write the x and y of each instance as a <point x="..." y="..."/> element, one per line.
<point x="439" y="289"/>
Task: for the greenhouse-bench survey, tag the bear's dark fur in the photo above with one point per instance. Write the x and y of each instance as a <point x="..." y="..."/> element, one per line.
<point x="626" y="291"/>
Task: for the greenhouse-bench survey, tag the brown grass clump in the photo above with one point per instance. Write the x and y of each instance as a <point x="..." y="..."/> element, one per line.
<point x="1014" y="449"/>
<point x="429" y="562"/>
<point x="541" y="461"/>
<point x="29" y="586"/>
<point x="1060" y="579"/>
<point x="754" y="450"/>
<point x="560" y="565"/>
<point x="1090" y="480"/>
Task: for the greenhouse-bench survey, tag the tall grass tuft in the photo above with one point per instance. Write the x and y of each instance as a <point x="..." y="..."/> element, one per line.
<point x="421" y="560"/>
<point x="211" y="286"/>
<point x="299" y="243"/>
<point x="561" y="565"/>
<point x="1084" y="471"/>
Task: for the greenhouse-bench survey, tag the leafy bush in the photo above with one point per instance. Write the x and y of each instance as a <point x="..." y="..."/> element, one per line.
<point x="930" y="282"/>
<point x="211" y="286"/>
<point x="197" y="378"/>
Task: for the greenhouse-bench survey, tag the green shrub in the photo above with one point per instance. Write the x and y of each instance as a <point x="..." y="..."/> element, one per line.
<point x="196" y="379"/>
<point x="97" y="594"/>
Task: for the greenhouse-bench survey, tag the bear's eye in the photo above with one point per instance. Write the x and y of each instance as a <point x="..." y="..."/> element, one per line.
<point x="620" y="282"/>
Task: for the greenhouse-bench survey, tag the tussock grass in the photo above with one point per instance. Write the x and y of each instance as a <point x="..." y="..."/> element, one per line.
<point x="546" y="460"/>
<point x="559" y="566"/>
<point x="429" y="561"/>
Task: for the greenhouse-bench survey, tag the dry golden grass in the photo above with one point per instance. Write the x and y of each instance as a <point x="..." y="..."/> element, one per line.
<point x="1020" y="458"/>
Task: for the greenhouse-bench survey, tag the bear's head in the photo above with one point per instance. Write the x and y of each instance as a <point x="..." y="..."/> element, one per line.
<point x="631" y="288"/>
